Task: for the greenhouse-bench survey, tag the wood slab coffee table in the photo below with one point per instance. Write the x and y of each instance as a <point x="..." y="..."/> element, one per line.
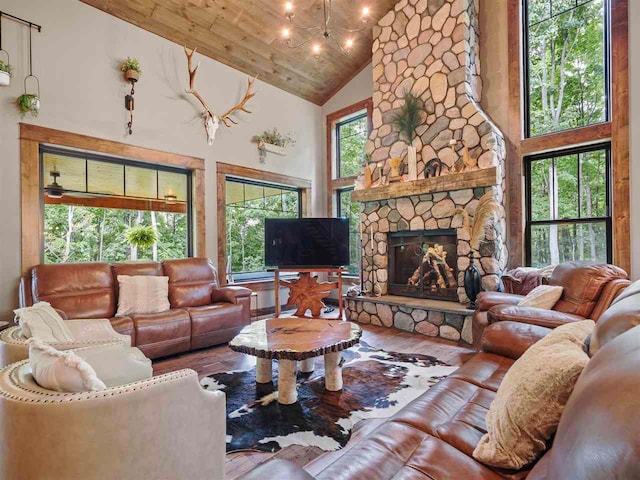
<point x="295" y="339"/>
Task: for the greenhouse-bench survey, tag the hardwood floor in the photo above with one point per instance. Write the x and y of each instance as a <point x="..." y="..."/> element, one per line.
<point x="221" y="359"/>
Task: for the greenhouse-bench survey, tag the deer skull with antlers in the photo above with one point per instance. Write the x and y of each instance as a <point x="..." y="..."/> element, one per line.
<point x="211" y="120"/>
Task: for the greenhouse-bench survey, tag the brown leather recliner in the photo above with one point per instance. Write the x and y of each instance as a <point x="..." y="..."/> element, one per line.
<point x="434" y="436"/>
<point x="202" y="313"/>
<point x="589" y="289"/>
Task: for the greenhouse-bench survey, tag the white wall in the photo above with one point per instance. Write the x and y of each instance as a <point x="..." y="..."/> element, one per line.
<point x="634" y="91"/>
<point x="76" y="58"/>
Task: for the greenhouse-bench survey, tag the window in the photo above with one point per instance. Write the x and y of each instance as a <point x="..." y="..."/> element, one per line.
<point x="351" y="210"/>
<point x="566" y="62"/>
<point x="107" y="209"/>
<point x="568" y="199"/>
<point x="351" y="136"/>
<point x="247" y="204"/>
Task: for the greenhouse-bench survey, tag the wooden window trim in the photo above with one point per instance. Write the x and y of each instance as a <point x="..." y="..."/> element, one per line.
<point x="32" y="136"/>
<point x="616" y="131"/>
<point x="223" y="170"/>
<point x="334" y="184"/>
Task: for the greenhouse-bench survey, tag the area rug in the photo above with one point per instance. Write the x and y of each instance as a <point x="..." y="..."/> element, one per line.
<point x="376" y="384"/>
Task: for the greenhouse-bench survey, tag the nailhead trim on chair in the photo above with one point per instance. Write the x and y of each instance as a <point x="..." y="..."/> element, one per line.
<point x="9" y="340"/>
<point x="59" y="397"/>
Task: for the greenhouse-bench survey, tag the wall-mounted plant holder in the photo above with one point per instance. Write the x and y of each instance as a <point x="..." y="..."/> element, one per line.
<point x="131" y="70"/>
<point x="29" y="102"/>
<point x="5" y="70"/>
<point x="5" y="66"/>
<point x="271" y="148"/>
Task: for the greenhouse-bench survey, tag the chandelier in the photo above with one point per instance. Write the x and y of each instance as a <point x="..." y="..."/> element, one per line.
<point x="327" y="31"/>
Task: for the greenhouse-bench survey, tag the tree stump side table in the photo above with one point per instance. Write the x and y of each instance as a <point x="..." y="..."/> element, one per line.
<point x="292" y="340"/>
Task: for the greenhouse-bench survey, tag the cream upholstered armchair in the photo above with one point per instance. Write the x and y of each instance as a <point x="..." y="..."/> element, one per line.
<point x="13" y="344"/>
<point x="165" y="427"/>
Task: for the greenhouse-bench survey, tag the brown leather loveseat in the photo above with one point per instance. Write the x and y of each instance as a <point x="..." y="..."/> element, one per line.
<point x="588" y="291"/>
<point x="433" y="437"/>
<point x="202" y="313"/>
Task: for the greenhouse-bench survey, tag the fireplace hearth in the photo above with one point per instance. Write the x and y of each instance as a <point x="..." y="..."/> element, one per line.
<point x="423" y="264"/>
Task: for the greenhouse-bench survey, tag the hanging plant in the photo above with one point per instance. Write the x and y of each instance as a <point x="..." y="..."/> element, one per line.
<point x="273" y="141"/>
<point x="5" y="72"/>
<point x="141" y="237"/>
<point x="131" y="69"/>
<point x="28" y="103"/>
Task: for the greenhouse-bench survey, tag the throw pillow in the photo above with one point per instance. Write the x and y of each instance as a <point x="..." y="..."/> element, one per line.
<point x="526" y="410"/>
<point x="43" y="322"/>
<point x="142" y="294"/>
<point x="62" y="371"/>
<point x="543" y="296"/>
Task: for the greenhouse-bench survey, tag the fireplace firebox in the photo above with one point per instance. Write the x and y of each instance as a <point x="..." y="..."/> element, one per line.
<point x="424" y="264"/>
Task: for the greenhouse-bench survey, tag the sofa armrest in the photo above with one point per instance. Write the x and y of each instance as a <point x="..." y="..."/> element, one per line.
<point x="229" y="294"/>
<point x="511" y="339"/>
<point x="486" y="300"/>
<point x="277" y="469"/>
<point x="530" y="315"/>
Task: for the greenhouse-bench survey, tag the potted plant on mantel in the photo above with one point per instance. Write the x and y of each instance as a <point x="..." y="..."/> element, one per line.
<point x="131" y="69"/>
<point x="5" y="73"/>
<point x="407" y="120"/>
<point x="274" y="142"/>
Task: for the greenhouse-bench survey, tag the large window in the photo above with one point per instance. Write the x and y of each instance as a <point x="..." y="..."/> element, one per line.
<point x="351" y="136"/>
<point x="247" y="204"/>
<point x="566" y="64"/>
<point x="351" y="210"/>
<point x="107" y="209"/>
<point x="569" y="214"/>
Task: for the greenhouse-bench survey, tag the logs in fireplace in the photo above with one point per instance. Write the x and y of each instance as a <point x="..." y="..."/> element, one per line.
<point x="424" y="264"/>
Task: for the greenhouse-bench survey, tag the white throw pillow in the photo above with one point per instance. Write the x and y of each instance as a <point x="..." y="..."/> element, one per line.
<point x="62" y="371"/>
<point x="41" y="321"/>
<point x="543" y="296"/>
<point x="142" y="294"/>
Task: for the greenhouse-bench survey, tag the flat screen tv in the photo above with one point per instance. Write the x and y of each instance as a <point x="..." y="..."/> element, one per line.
<point x="306" y="242"/>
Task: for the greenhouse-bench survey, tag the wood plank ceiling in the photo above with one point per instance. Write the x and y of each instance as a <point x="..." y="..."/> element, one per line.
<point x="246" y="35"/>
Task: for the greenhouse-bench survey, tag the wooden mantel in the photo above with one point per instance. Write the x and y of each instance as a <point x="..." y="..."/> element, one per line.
<point x="485" y="177"/>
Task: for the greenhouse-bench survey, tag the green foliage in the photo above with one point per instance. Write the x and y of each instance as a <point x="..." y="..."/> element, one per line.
<point x="351" y="210"/>
<point x="140" y="236"/>
<point x="353" y="137"/>
<point x="274" y="137"/>
<point x="566" y="65"/>
<point x="407" y="119"/>
<point x="28" y="103"/>
<point x="5" y="67"/>
<point x="131" y="64"/>
<point x="98" y="234"/>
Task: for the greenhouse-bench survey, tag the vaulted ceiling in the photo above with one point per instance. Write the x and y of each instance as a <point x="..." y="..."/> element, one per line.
<point x="246" y="35"/>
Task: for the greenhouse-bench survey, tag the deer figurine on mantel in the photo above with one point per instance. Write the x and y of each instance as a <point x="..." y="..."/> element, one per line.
<point x="211" y="120"/>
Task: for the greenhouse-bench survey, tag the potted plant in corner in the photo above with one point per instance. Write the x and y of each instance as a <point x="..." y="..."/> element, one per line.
<point x="131" y="69"/>
<point x="28" y="103"/>
<point x="5" y="73"/>
<point x="273" y="141"/>
<point x="407" y="120"/>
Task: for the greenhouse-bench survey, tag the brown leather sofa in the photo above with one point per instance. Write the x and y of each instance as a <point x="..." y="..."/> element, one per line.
<point x="589" y="289"/>
<point x="433" y="437"/>
<point x="202" y="313"/>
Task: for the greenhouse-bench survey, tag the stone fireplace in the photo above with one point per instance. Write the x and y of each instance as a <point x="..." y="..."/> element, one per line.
<point x="415" y="242"/>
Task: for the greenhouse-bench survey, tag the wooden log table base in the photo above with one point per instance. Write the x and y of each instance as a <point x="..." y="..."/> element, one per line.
<point x="292" y="340"/>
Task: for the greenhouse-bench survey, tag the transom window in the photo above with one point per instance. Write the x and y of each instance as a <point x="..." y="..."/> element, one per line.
<point x="568" y="200"/>
<point x="566" y="62"/>
<point x="351" y="136"/>
<point x="100" y="208"/>
<point x="351" y="210"/>
<point x="248" y="203"/>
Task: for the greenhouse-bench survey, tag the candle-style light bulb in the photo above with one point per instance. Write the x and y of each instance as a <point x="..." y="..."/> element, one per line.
<point x="349" y="44"/>
<point x="316" y="48"/>
<point x="288" y="7"/>
<point x="366" y="11"/>
<point x="286" y="33"/>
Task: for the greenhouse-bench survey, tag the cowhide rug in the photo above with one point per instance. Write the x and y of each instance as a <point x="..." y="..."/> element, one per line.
<point x="376" y="384"/>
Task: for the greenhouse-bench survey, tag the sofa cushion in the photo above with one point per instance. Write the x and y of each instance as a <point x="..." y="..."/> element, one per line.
<point x="191" y="281"/>
<point x="398" y="450"/>
<point x="61" y="371"/>
<point x="543" y="296"/>
<point x="583" y="283"/>
<point x="215" y="324"/>
<point x="142" y="294"/>
<point x="42" y="322"/>
<point x="485" y="370"/>
<point x="161" y="334"/>
<point x="528" y="405"/>
<point x="81" y="290"/>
